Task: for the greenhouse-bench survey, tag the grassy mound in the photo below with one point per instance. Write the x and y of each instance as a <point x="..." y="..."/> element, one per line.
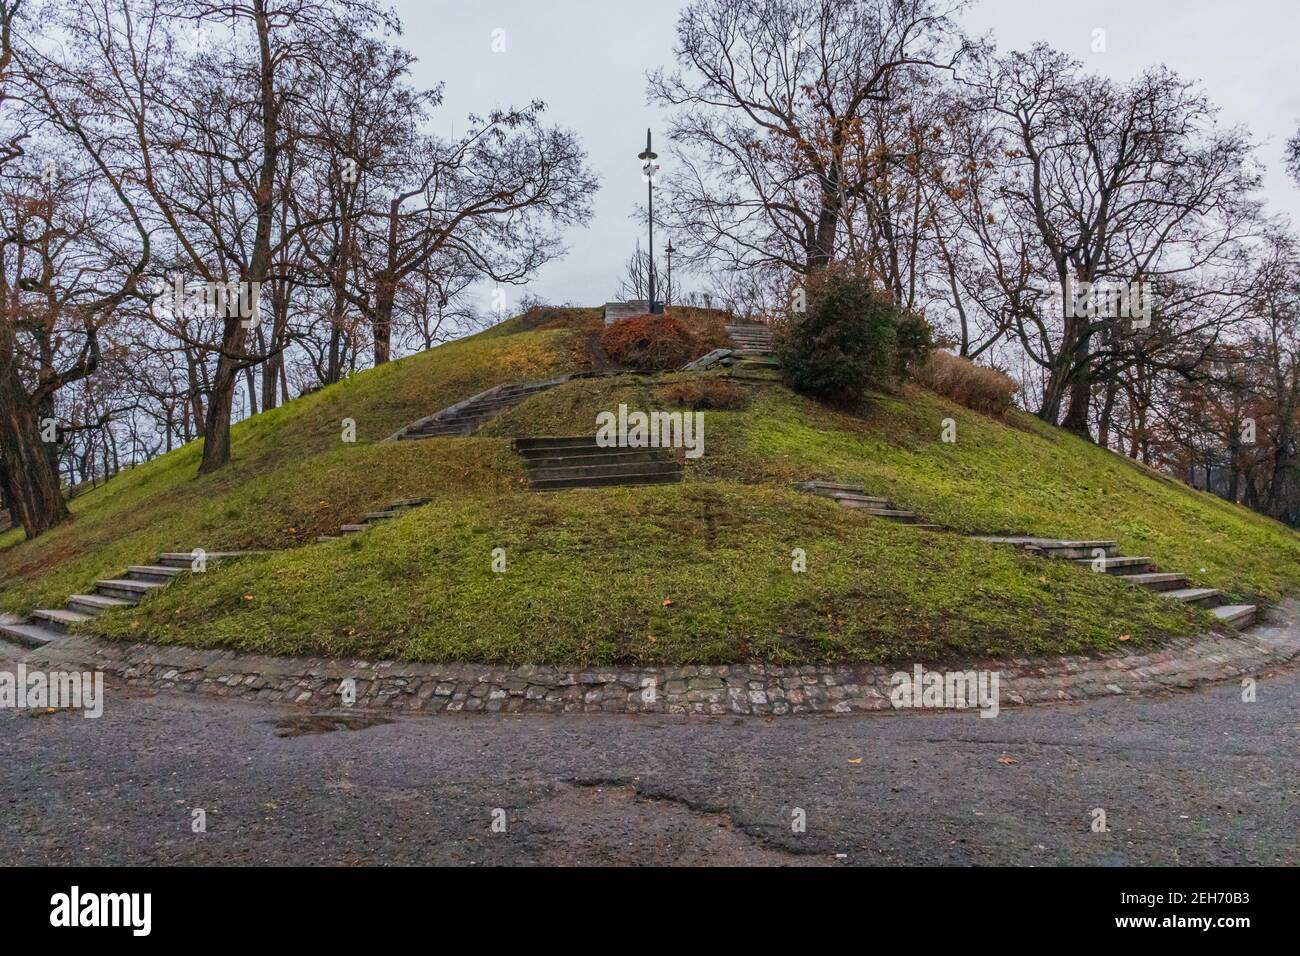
<point x="697" y="572"/>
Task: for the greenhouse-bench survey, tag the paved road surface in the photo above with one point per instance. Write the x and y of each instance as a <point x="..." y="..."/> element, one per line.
<point x="1194" y="778"/>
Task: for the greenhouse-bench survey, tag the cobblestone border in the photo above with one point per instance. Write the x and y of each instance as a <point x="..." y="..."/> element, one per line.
<point x="755" y="689"/>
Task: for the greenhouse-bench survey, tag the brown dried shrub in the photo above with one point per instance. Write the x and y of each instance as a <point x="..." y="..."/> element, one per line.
<point x="661" y="343"/>
<point x="710" y="394"/>
<point x="977" y="387"/>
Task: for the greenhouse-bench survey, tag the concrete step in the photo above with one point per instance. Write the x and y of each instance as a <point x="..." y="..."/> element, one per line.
<point x="353" y="528"/>
<point x="58" y="618"/>
<point x="1053" y="547"/>
<point x="902" y="517"/>
<point x="154" y="572"/>
<point x="94" y="603"/>
<point x="547" y="443"/>
<point x="449" y="430"/>
<point x="560" y="484"/>
<point x="1157" y="580"/>
<point x="409" y="502"/>
<point x="321" y="538"/>
<point x="183" y="559"/>
<point x="29" y="635"/>
<point x="875" y="507"/>
<point x="602" y="456"/>
<point x="816" y="485"/>
<point x="756" y="365"/>
<point x="536" y="475"/>
<point x="1119" y="565"/>
<point x="851" y="500"/>
<point x="926" y="526"/>
<point x="1236" y="615"/>
<point x="126" y="589"/>
<point x="380" y="516"/>
<point x="1201" y="597"/>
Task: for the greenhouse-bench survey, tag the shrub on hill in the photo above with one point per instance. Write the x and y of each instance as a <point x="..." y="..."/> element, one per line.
<point x="661" y="343"/>
<point x="852" y="338"/>
<point x="708" y="395"/>
<point x="979" y="388"/>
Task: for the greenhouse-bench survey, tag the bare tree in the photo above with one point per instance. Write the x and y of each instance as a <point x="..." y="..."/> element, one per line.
<point x="772" y="104"/>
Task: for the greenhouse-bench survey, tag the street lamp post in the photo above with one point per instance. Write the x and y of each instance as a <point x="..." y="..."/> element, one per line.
<point x="668" y="295"/>
<point x="650" y="169"/>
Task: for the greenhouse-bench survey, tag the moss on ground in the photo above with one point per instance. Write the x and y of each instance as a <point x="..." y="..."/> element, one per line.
<point x="698" y="572"/>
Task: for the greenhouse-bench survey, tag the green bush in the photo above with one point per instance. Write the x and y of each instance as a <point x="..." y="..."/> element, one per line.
<point x="852" y="337"/>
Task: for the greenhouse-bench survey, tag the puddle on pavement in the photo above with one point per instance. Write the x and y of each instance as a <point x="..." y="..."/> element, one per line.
<point x="301" y="725"/>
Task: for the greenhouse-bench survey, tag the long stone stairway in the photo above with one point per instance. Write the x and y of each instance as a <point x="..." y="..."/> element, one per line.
<point x="468" y="416"/>
<point x="394" y="509"/>
<point x="754" y="357"/>
<point x="856" y="497"/>
<point x="47" y="624"/>
<point x="554" y="464"/>
<point x="1104" y="557"/>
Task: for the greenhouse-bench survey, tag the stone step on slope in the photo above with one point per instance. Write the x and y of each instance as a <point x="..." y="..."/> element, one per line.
<point x="630" y="478"/>
<point x="854" y="496"/>
<point x="25" y="634"/>
<point x="850" y="500"/>
<point x="605" y="471"/>
<point x="1201" y="597"/>
<point x="526" y="446"/>
<point x="1118" y="565"/>
<point x="1157" y="580"/>
<point x="57" y="618"/>
<point x="184" y="559"/>
<point x="1236" y="615"/>
<point x="154" y="572"/>
<point x="555" y="463"/>
<point x="352" y="528"/>
<point x="126" y="589"/>
<point x="1053" y="547"/>
<point x="1141" y="571"/>
<point x="470" y="415"/>
<point x="891" y="514"/>
<point x="94" y="603"/>
<point x="584" y="456"/>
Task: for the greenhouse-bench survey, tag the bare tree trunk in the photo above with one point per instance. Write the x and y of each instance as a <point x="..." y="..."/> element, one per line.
<point x="28" y="471"/>
<point x="216" y="427"/>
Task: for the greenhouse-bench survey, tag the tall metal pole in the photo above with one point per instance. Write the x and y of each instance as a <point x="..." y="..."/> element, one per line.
<point x="668" y="251"/>
<point x="649" y="169"/>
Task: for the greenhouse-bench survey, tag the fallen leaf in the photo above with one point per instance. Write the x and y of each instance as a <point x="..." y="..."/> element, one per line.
<point x="248" y="597"/>
<point x="1042" y="579"/>
<point x="667" y="602"/>
<point x="855" y="760"/>
<point x="1123" y="637"/>
<point x="1007" y="759"/>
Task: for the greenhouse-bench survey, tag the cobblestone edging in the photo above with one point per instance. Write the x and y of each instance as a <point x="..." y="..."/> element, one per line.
<point x="735" y="689"/>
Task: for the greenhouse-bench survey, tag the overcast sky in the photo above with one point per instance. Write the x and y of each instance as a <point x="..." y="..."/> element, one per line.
<point x="588" y="58"/>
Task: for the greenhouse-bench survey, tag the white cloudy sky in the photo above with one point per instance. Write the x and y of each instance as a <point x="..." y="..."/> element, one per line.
<point x="588" y="58"/>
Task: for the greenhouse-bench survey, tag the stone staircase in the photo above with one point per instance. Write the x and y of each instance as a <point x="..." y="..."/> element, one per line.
<point x="554" y="464"/>
<point x="466" y="417"/>
<point x="1138" y="571"/>
<point x="47" y="624"/>
<point x="856" y="497"/>
<point x="754" y="357"/>
<point x="392" y="511"/>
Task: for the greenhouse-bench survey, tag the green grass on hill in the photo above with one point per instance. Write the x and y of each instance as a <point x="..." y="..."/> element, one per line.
<point x="1017" y="476"/>
<point x="697" y="572"/>
<point x="292" y="477"/>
